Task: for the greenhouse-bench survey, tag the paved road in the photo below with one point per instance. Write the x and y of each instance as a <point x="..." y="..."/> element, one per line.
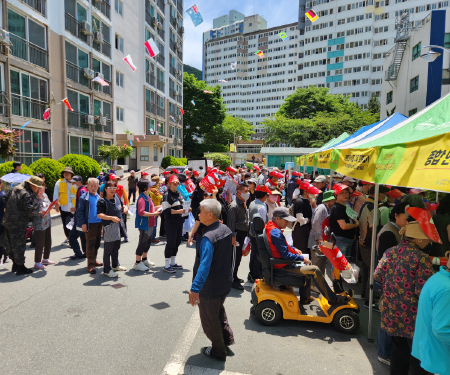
<point x="65" y="321"/>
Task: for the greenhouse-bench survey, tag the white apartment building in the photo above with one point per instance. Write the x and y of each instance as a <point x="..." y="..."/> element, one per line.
<point x="343" y="50"/>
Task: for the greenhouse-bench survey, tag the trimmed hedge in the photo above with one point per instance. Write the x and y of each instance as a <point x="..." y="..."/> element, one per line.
<point x="50" y="168"/>
<point x="8" y="167"/>
<point x="81" y="165"/>
<point x="167" y="161"/>
<point x="223" y="160"/>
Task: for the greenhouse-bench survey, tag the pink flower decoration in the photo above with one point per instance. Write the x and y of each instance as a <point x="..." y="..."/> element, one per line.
<point x="407" y="285"/>
<point x="407" y="320"/>
<point x="408" y="328"/>
<point x="413" y="309"/>
<point x="404" y="307"/>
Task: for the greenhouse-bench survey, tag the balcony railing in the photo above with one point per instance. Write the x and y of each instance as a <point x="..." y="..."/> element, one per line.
<point x="73" y="26"/>
<point x="105" y="129"/>
<point x="3" y="103"/>
<point x="150" y="79"/>
<point x="76" y="120"/>
<point x="173" y="46"/>
<point x="180" y="30"/>
<point x="172" y="70"/>
<point x="161" y="111"/>
<point x="28" y="107"/>
<point x="161" y="59"/>
<point x="180" y="7"/>
<point x="150" y="107"/>
<point x="104" y="48"/>
<point x="173" y="22"/>
<point x="180" y="77"/>
<point x="103" y="7"/>
<point x="160" y="4"/>
<point x="179" y="98"/>
<point x="162" y="34"/>
<point x="172" y="94"/>
<point x="105" y="89"/>
<point x="25" y="50"/>
<point x="76" y="74"/>
<point x="180" y="55"/>
<point x="149" y="19"/>
<point x="39" y="5"/>
<point x="160" y="85"/>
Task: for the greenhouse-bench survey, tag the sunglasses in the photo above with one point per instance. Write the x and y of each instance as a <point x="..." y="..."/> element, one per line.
<point x="112" y="188"/>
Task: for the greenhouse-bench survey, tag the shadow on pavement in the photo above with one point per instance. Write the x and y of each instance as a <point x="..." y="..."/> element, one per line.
<point x="100" y="280"/>
<point x="202" y="360"/>
<point x="9" y="277"/>
<point x="77" y="272"/>
<point x="161" y="275"/>
<point x="133" y="273"/>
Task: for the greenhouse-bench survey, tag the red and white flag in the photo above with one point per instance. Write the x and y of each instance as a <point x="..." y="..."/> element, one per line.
<point x="152" y="48"/>
<point x="101" y="81"/>
<point x="46" y="114"/>
<point x="66" y="102"/>
<point x="137" y="139"/>
<point x="128" y="60"/>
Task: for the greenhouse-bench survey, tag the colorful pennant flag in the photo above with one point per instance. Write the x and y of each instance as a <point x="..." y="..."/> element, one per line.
<point x="151" y="47"/>
<point x="182" y="112"/>
<point x="159" y="125"/>
<point x="143" y="135"/>
<point x="119" y="148"/>
<point x="312" y="15"/>
<point x="195" y="15"/>
<point x="46" y="114"/>
<point x="283" y="36"/>
<point x="207" y="92"/>
<point x="193" y="103"/>
<point x="137" y="139"/>
<point x="128" y="60"/>
<point x="124" y="145"/>
<point x="66" y="102"/>
<point x="101" y="81"/>
<point x="152" y="131"/>
<point x="222" y="80"/>
<point x="260" y="54"/>
<point x="25" y="124"/>
<point x="233" y="65"/>
<point x="172" y="118"/>
<point x="131" y="143"/>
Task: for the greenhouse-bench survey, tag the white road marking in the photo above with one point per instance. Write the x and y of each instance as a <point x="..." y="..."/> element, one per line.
<point x="194" y="370"/>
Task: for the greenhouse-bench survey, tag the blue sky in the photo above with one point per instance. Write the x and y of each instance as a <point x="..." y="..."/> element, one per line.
<point x="276" y="12"/>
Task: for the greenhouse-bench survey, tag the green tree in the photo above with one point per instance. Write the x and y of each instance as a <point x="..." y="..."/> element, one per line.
<point x="230" y="127"/>
<point x="51" y="169"/>
<point x="390" y="113"/>
<point x="223" y="160"/>
<point x="374" y="106"/>
<point x="81" y="165"/>
<point x="114" y="152"/>
<point x="8" y="167"/>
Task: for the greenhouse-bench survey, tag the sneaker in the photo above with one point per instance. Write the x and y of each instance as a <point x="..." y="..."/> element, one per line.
<point x="177" y="266"/>
<point x="92" y="271"/>
<point x="156" y="241"/>
<point x="236" y="285"/>
<point x="119" y="268"/>
<point x="65" y="242"/>
<point x="48" y="261"/>
<point x="148" y="263"/>
<point x="384" y="360"/>
<point x="22" y="270"/>
<point x="39" y="266"/>
<point x="126" y="239"/>
<point x="140" y="267"/>
<point x="111" y="273"/>
<point x="169" y="270"/>
<point x="374" y="306"/>
<point x="207" y="351"/>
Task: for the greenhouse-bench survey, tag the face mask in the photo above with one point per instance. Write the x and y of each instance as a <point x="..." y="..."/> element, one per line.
<point x="245" y="196"/>
<point x="273" y="198"/>
<point x="75" y="186"/>
<point x="266" y="174"/>
<point x="312" y="197"/>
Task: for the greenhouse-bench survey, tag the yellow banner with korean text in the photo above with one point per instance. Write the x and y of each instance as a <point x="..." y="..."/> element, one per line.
<point x="324" y="159"/>
<point x="355" y="163"/>
<point x="311" y="160"/>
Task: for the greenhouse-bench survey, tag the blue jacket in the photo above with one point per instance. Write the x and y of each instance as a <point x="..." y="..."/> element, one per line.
<point x="182" y="189"/>
<point x="291" y="186"/>
<point x="82" y="211"/>
<point x="431" y="344"/>
<point x="141" y="222"/>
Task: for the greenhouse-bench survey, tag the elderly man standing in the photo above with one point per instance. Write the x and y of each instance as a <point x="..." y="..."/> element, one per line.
<point x="22" y="206"/>
<point x="66" y="193"/>
<point x="320" y="182"/>
<point x="212" y="279"/>
<point x="90" y="224"/>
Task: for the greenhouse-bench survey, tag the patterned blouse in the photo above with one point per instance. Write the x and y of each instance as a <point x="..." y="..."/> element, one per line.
<point x="43" y="222"/>
<point x="403" y="271"/>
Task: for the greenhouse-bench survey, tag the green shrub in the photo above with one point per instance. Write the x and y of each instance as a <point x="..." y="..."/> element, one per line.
<point x="104" y="167"/>
<point x="223" y="160"/>
<point x="249" y="165"/>
<point x="8" y="167"/>
<point x="81" y="165"/>
<point x="51" y="169"/>
<point x="182" y="161"/>
<point x="168" y="161"/>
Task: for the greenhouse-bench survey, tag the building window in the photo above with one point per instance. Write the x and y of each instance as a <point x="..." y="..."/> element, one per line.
<point x="119" y="43"/>
<point x="149" y="126"/>
<point x="98" y="143"/>
<point x="118" y="6"/>
<point x="414" y="84"/>
<point x="145" y="154"/>
<point x="79" y="145"/>
<point x="412" y="112"/>
<point x="416" y="51"/>
<point x="119" y="79"/>
<point x="120" y="114"/>
<point x="33" y="145"/>
<point x="155" y="153"/>
<point x="447" y="40"/>
<point x="389" y="97"/>
<point x="172" y="152"/>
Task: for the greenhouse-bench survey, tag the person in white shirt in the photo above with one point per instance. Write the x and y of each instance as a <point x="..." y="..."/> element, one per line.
<point x="66" y="194"/>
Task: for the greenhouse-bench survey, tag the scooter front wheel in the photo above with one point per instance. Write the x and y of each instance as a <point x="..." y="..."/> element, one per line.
<point x="268" y="313"/>
<point x="346" y="321"/>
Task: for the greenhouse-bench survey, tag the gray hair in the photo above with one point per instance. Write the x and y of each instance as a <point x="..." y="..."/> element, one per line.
<point x="212" y="205"/>
<point x="92" y="179"/>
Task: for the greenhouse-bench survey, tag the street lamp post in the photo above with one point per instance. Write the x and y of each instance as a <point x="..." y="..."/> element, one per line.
<point x="431" y="55"/>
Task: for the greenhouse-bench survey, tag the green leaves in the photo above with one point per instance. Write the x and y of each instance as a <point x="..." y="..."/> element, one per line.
<point x="114" y="152"/>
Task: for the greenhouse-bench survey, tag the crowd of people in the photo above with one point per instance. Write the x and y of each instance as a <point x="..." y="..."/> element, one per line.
<point x="215" y="209"/>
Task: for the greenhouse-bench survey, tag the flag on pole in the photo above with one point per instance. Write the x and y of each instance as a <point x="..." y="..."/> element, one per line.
<point x="193" y="103"/>
<point x="172" y="118"/>
<point x="25" y="124"/>
<point x="128" y="60"/>
<point x="222" y="80"/>
<point x="137" y="139"/>
<point x="66" y="102"/>
<point x="283" y="36"/>
<point x="124" y="145"/>
<point x="131" y="143"/>
<point x="182" y="112"/>
<point x="46" y="114"/>
<point x="259" y="54"/>
<point x="159" y="125"/>
<point x="151" y="47"/>
<point x="233" y="65"/>
<point x="143" y="135"/>
<point x="195" y="15"/>
<point x="311" y="15"/>
<point x="101" y="81"/>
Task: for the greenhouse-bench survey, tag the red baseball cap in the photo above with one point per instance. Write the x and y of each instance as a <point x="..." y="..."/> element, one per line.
<point x="113" y="177"/>
<point x="174" y="170"/>
<point x="173" y="178"/>
<point x="264" y="188"/>
<point x="196" y="173"/>
<point x="257" y="168"/>
<point x="367" y="183"/>
<point x="313" y="190"/>
<point x="423" y="216"/>
<point x="339" y="187"/>
<point x="147" y="174"/>
<point x="395" y="193"/>
<point x="164" y="173"/>
<point x="231" y="169"/>
<point x="355" y="194"/>
<point x="416" y="191"/>
<point x="276" y="174"/>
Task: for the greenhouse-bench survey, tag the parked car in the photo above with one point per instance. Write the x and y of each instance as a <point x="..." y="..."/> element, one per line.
<point x="179" y="168"/>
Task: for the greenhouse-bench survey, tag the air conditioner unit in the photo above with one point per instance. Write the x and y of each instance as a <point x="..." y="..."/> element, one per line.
<point x="4" y="37"/>
<point x="174" y="21"/>
<point x="101" y="121"/>
<point x="179" y="47"/>
<point x="98" y="37"/>
<point x="182" y="29"/>
<point x="153" y="21"/>
<point x="159" y="25"/>
<point x="100" y="75"/>
<point x="175" y="72"/>
<point x="86" y="28"/>
<point x="88" y="120"/>
<point x="170" y="135"/>
<point x="89" y="73"/>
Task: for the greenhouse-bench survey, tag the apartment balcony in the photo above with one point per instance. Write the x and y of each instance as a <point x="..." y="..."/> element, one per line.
<point x="179" y="98"/>
<point x="151" y="21"/>
<point x="180" y="54"/>
<point x="105" y="129"/>
<point x="173" y="46"/>
<point x="160" y="85"/>
<point x="180" y="76"/>
<point x="104" y="89"/>
<point x="180" y="30"/>
<point x="174" y="115"/>
<point x="160" y="111"/>
<point x="162" y="33"/>
<point x="161" y="59"/>
<point x="38" y="5"/>
<point x="104" y="48"/>
<point x="77" y="119"/>
<point x="76" y="74"/>
<point x="150" y="78"/>
<point x="27" y="107"/>
<point x="25" y="50"/>
<point x="150" y="107"/>
<point x="172" y="94"/>
<point x="173" y="70"/>
<point x="3" y="103"/>
<point x="160" y="4"/>
<point x="103" y="6"/>
<point x="157" y="138"/>
<point x="180" y="7"/>
<point x="74" y="27"/>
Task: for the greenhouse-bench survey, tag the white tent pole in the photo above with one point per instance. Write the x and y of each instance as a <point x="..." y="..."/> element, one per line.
<point x="331" y="179"/>
<point x="437" y="196"/>
<point x="372" y="259"/>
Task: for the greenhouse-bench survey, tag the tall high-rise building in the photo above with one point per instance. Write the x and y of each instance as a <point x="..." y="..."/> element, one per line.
<point x="55" y="49"/>
<point x="342" y="50"/>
